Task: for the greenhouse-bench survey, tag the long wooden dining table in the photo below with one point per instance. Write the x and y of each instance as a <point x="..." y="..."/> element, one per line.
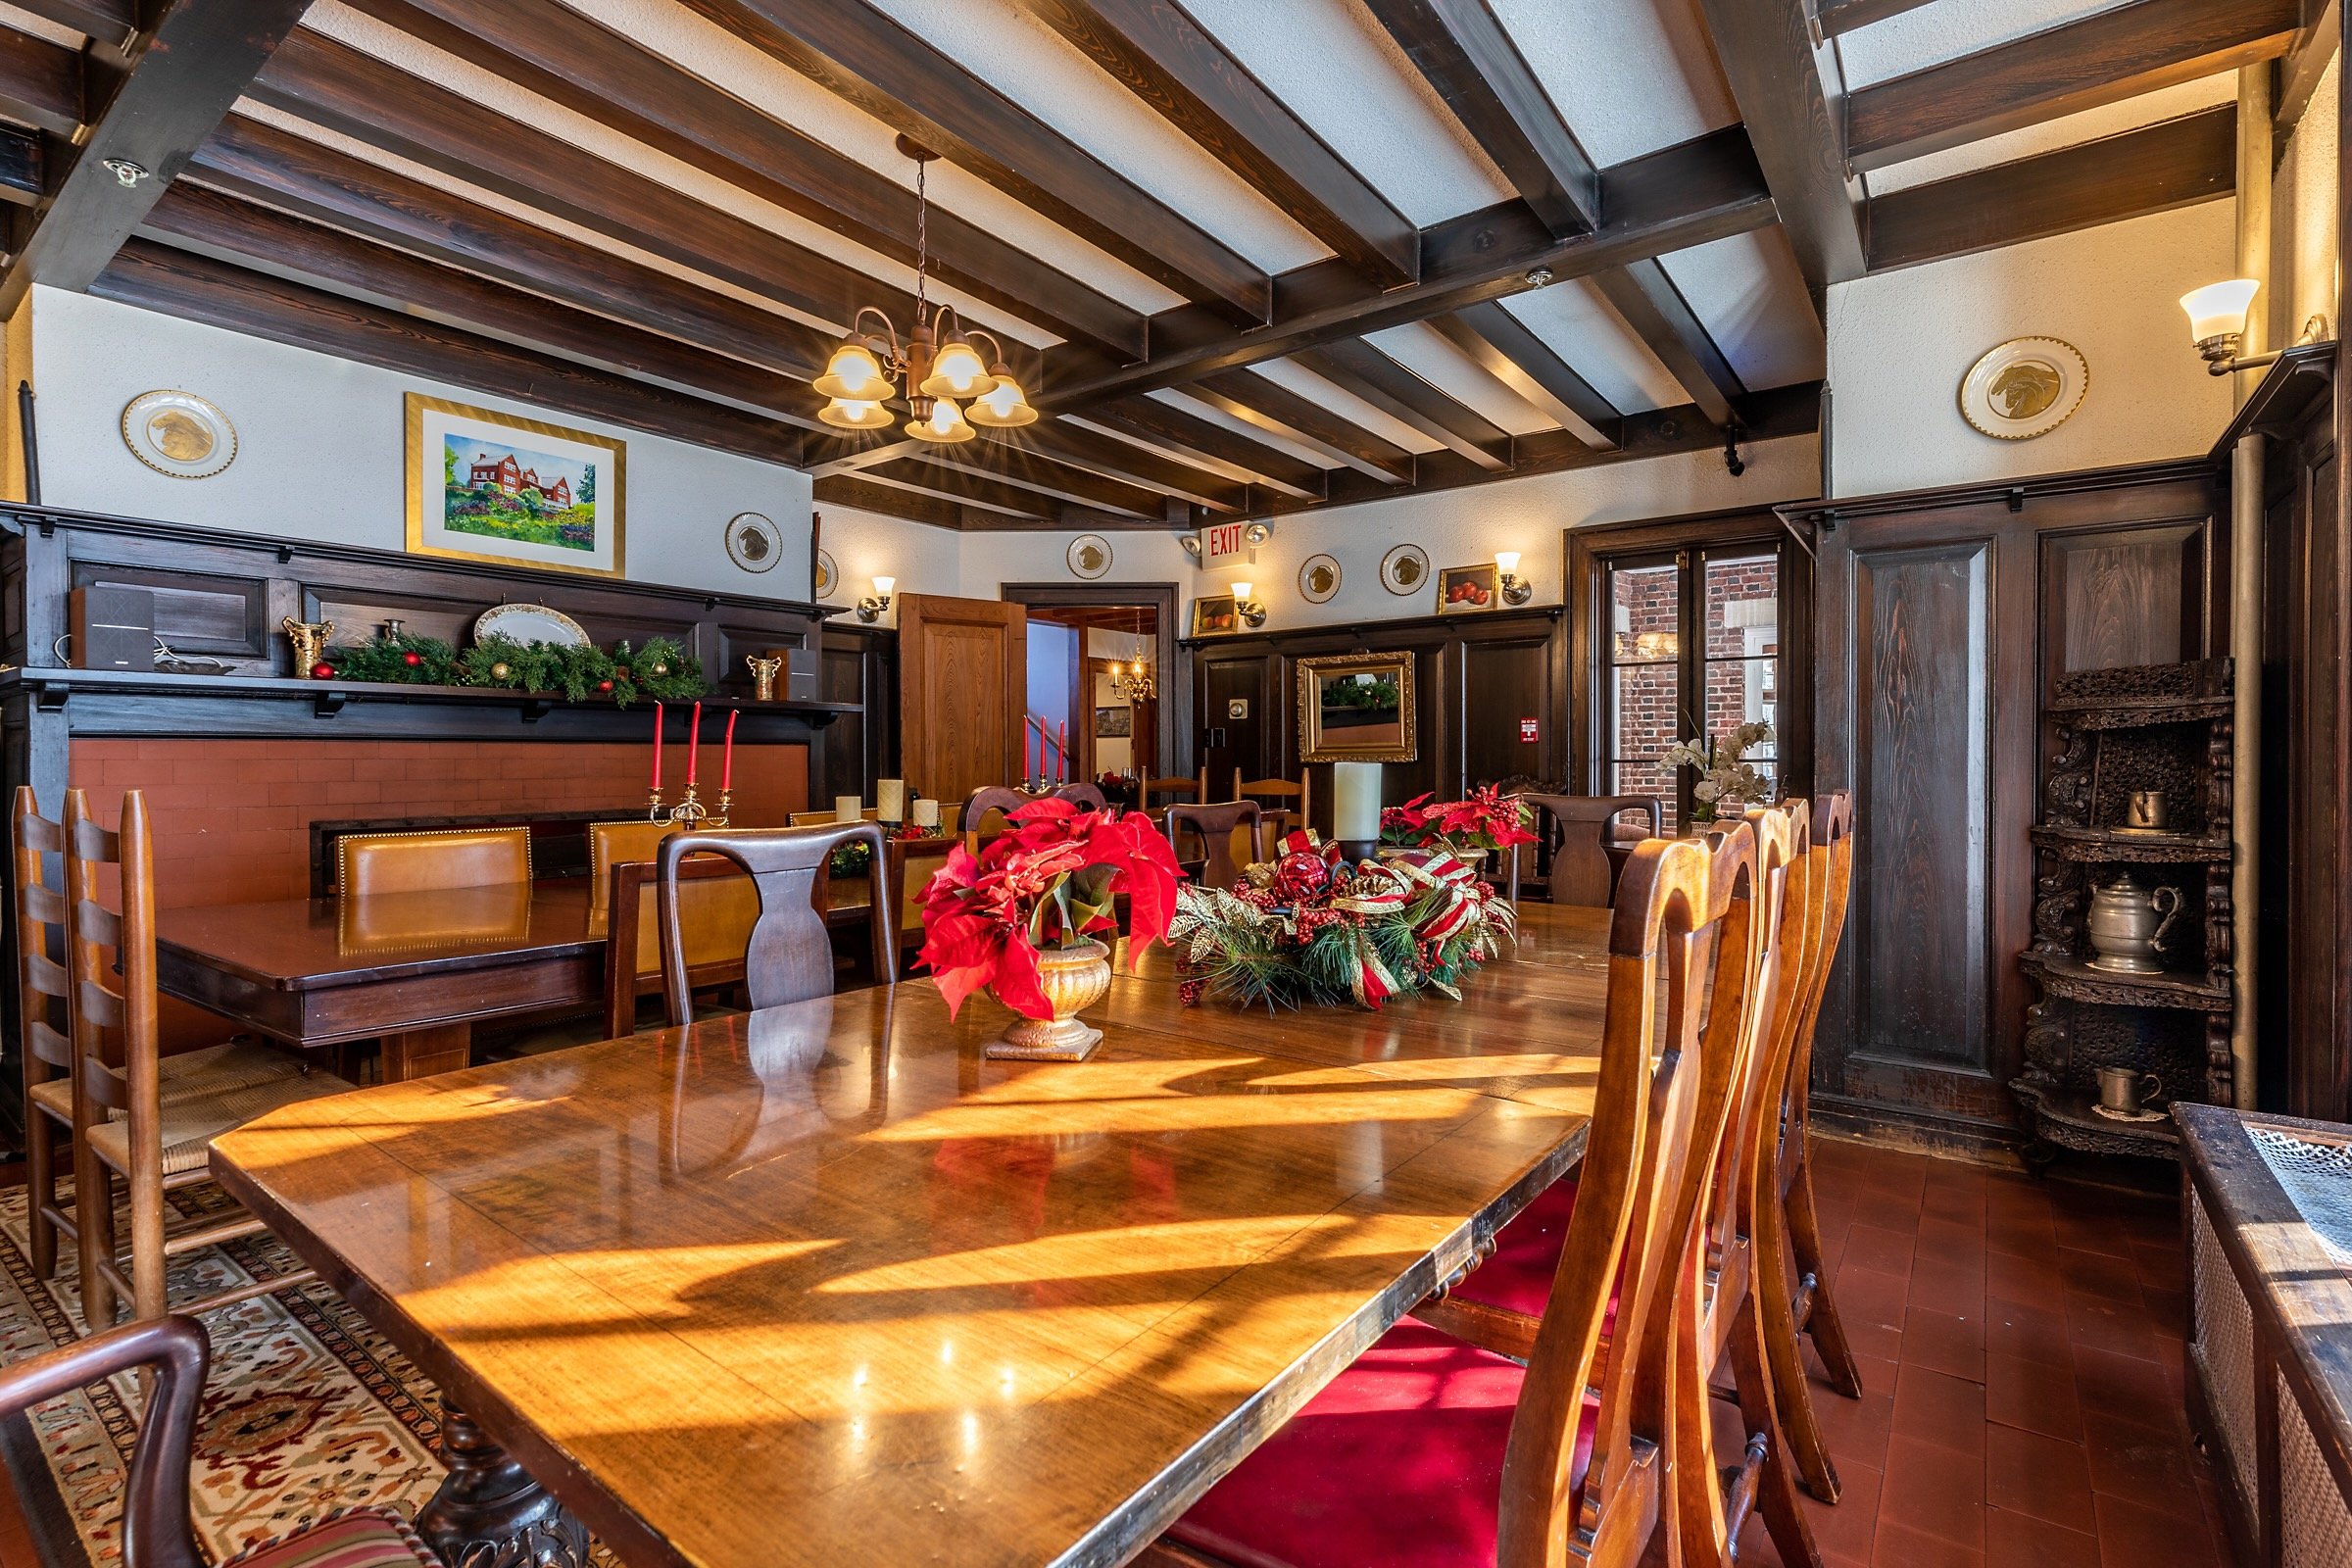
<point x="821" y="1283"/>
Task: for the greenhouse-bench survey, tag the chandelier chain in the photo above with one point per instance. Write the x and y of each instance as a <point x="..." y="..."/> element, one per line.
<point x="922" y="236"/>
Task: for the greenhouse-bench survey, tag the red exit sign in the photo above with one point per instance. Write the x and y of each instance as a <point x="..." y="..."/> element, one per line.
<point x="1224" y="543"/>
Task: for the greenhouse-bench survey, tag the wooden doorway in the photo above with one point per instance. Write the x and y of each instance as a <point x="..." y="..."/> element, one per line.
<point x="963" y="669"/>
<point x="1145" y="608"/>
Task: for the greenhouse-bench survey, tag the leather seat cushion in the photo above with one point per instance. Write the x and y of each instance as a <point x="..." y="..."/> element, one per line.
<point x="429" y="862"/>
<point x="1398" y="1461"/>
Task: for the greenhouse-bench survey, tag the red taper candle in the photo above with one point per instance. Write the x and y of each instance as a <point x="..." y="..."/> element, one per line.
<point x="726" y="760"/>
<point x="694" y="740"/>
<point x="656" y="744"/>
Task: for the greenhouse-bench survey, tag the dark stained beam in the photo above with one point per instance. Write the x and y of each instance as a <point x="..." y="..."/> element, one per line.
<point x="200" y="288"/>
<point x="1791" y="97"/>
<point x="224" y="228"/>
<point x="40" y="82"/>
<point x="201" y="56"/>
<point x="318" y="79"/>
<point x="2105" y="57"/>
<point x="110" y="21"/>
<point x="1079" y="448"/>
<point x="1467" y="55"/>
<point x="1252" y="398"/>
<point x="993" y="503"/>
<point x="1515" y="355"/>
<point x="891" y="501"/>
<point x="1149" y="420"/>
<point x="859" y="53"/>
<point x="570" y="59"/>
<point x="1841" y="17"/>
<point x="2305" y="62"/>
<point x="1162" y="55"/>
<point x="23" y="159"/>
<point x="275" y="167"/>
<point x="1363" y="371"/>
<point x="996" y="459"/>
<point x="2152" y="170"/>
<point x="1650" y="303"/>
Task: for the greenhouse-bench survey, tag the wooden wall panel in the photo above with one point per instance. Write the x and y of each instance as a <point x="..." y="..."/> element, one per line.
<point x="2116" y="597"/>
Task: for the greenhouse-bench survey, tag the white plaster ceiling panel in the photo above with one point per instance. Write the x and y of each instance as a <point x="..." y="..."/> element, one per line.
<point x="43" y="27"/>
<point x="1364" y="416"/>
<point x="1576" y="325"/>
<point x="1339" y="70"/>
<point x="1198" y="410"/>
<point x="495" y="93"/>
<point x="2067" y="130"/>
<point x="1033" y="65"/>
<point x="1931" y="34"/>
<point x="1431" y="356"/>
<point x="1750" y="295"/>
<point x="1173" y="454"/>
<point x="707" y="50"/>
<point x="1629" y="76"/>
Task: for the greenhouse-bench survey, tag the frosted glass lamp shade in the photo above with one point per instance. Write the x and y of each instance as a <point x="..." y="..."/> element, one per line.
<point x="1506" y="561"/>
<point x="1241" y="593"/>
<point x="854" y="374"/>
<point x="1002" y="406"/>
<point x="944" y="426"/>
<point x="849" y="415"/>
<point x="958" y="372"/>
<point x="883" y="585"/>
<point x="2219" y="309"/>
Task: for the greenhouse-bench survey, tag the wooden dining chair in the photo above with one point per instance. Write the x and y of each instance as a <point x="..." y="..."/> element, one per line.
<point x="1088" y="795"/>
<point x="1219" y="827"/>
<point x="123" y="1125"/>
<point x="612" y="843"/>
<point x="1578" y="831"/>
<point x="1283" y="791"/>
<point x="432" y="859"/>
<point x="1173" y="788"/>
<point x="1430" y="1451"/>
<point x="998" y="800"/>
<point x="788" y="953"/>
<point x="718" y="903"/>
<point x="158" y="1528"/>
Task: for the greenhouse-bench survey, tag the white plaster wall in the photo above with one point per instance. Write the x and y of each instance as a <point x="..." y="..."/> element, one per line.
<point x="1900" y="342"/>
<point x="865" y="545"/>
<point x="992" y="559"/>
<point x="2303" y="220"/>
<point x="322" y="443"/>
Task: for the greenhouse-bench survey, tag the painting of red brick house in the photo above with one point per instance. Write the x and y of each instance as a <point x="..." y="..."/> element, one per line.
<point x="512" y="490"/>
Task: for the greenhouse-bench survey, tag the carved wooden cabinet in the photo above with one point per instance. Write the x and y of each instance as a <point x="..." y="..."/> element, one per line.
<point x="2158" y="727"/>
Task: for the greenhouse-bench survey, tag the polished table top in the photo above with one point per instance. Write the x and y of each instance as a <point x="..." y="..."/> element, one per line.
<point x="821" y="1284"/>
<point x="301" y="944"/>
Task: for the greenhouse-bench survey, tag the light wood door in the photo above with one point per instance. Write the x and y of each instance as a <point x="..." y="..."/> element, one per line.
<point x="963" y="686"/>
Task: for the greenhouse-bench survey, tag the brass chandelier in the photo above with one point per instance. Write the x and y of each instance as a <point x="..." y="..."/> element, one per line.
<point x="949" y="388"/>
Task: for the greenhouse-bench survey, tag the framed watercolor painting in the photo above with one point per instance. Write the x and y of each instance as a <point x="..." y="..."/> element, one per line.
<point x="488" y="486"/>
<point x="1214" y="614"/>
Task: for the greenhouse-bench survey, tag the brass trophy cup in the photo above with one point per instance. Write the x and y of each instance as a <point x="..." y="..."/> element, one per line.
<point x="764" y="668"/>
<point x="309" y="638"/>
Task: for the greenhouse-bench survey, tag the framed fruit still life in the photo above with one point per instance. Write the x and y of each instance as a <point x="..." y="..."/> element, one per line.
<point x="1462" y="588"/>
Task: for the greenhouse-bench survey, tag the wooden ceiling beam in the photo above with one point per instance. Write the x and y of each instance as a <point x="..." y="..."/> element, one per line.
<point x="277" y="168"/>
<point x="1080" y="447"/>
<point x="40" y="82"/>
<point x="23" y="162"/>
<point x="221" y="227"/>
<point x="1523" y="361"/>
<point x="560" y="53"/>
<point x="201" y="56"/>
<point x="1467" y="54"/>
<point x="2107" y="56"/>
<point x="1252" y="398"/>
<point x="2176" y="163"/>
<point x="1161" y="55"/>
<point x="992" y="503"/>
<point x="1149" y="420"/>
<point x="1841" y="17"/>
<point x="318" y="79"/>
<point x="890" y="501"/>
<point x="201" y="288"/>
<point x="860" y="53"/>
<point x="1363" y="371"/>
<point x="1792" y="98"/>
<point x="2302" y="66"/>
<point x="1651" y="304"/>
<point x="996" y="460"/>
<point x="107" y="21"/>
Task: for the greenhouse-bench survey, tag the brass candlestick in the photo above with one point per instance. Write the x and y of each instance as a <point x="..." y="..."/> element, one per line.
<point x="764" y="674"/>
<point x="309" y="638"/>
<point x="690" y="813"/>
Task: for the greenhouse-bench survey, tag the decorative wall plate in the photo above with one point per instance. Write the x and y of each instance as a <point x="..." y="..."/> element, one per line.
<point x="178" y="433"/>
<point x="529" y="624"/>
<point x="1319" y="579"/>
<point x="1088" y="554"/>
<point x="1405" y="569"/>
<point x="828" y="575"/>
<point x="752" y="542"/>
<point x="2025" y="387"/>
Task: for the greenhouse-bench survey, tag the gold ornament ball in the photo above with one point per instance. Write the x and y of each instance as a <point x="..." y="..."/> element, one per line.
<point x="661" y="670"/>
<point x="501" y="670"/>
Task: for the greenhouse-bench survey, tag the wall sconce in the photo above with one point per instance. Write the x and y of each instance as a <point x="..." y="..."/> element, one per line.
<point x="1249" y="609"/>
<point x="2217" y="323"/>
<point x="1516" y="590"/>
<point x="870" y="608"/>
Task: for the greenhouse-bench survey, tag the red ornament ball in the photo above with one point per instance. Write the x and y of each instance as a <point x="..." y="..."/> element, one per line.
<point x="323" y="671"/>
<point x="412" y="660"/>
<point x="1300" y="875"/>
<point x="604" y="685"/>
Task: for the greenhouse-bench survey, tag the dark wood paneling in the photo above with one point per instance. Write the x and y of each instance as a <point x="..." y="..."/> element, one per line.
<point x="860" y="664"/>
<point x="2112" y="598"/>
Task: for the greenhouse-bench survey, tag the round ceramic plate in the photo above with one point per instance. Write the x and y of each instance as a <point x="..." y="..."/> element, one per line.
<point x="178" y="433"/>
<point x="529" y="624"/>
<point x="1318" y="580"/>
<point x="752" y="542"/>
<point x="2028" y="386"/>
<point x="828" y="575"/>
<point x="1405" y="569"/>
<point x="1088" y="554"/>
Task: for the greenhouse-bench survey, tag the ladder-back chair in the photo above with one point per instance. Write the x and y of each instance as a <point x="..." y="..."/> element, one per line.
<point x="1292" y="796"/>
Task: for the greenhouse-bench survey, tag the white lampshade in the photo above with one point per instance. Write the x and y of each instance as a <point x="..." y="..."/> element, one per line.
<point x="958" y="372"/>
<point x="1240" y="592"/>
<point x="883" y="585"/>
<point x="2219" y="309"/>
<point x="851" y="414"/>
<point x="854" y="374"/>
<point x="945" y="426"/>
<point x="1002" y="406"/>
<point x="1506" y="561"/>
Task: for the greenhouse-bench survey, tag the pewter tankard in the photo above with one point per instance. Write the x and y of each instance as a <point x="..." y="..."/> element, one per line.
<point x="2126" y="922"/>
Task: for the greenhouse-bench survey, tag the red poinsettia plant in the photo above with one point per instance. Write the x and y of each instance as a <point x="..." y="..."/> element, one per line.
<point x="1049" y="882"/>
<point x="1488" y="819"/>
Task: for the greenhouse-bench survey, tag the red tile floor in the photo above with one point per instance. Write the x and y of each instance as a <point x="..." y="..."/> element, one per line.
<point x="2020" y="1343"/>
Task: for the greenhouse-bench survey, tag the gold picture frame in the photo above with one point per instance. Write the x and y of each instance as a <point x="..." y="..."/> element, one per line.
<point x="470" y="494"/>
<point x="1358" y="707"/>
<point x="1216" y="615"/>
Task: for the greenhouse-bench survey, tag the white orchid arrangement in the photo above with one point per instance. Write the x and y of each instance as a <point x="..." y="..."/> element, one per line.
<point x="1725" y="772"/>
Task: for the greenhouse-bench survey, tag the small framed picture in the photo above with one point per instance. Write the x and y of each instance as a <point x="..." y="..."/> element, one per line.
<point x="1214" y="614"/>
<point x="488" y="486"/>
<point x="1469" y="588"/>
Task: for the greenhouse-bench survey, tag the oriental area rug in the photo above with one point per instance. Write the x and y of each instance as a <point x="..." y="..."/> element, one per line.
<point x="307" y="1409"/>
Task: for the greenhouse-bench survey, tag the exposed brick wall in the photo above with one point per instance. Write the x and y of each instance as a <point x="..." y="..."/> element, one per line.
<point x="1648" y="716"/>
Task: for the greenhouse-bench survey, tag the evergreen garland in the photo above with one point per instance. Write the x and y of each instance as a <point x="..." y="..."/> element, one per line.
<point x="662" y="669"/>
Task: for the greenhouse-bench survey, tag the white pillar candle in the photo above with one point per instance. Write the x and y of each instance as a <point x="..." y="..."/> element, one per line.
<point x="926" y="812"/>
<point x="1355" y="801"/>
<point x="890" y="800"/>
<point x="848" y="808"/>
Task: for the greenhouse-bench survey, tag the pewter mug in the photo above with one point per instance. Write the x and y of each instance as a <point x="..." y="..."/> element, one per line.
<point x="2126" y="922"/>
<point x="2120" y="1091"/>
<point x="2144" y="810"/>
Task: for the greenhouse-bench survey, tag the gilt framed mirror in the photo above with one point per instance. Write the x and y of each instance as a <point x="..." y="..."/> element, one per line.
<point x="1356" y="707"/>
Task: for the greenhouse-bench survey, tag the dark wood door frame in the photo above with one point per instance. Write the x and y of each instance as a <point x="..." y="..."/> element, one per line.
<point x="1174" y="706"/>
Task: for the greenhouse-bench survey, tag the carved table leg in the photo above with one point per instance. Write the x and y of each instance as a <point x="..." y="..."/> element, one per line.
<point x="489" y="1513"/>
